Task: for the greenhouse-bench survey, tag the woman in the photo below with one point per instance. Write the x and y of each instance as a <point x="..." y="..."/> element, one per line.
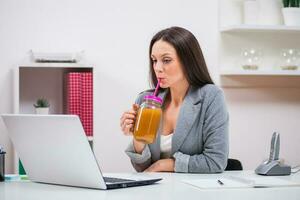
<point x="193" y="134"/>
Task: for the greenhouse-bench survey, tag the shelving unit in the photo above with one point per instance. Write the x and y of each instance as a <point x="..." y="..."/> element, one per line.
<point x="270" y="39"/>
<point x="34" y="80"/>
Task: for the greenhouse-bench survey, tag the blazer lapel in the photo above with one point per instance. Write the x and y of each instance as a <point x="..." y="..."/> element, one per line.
<point x="187" y="115"/>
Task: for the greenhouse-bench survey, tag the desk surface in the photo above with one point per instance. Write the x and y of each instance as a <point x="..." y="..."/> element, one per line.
<point x="171" y="187"/>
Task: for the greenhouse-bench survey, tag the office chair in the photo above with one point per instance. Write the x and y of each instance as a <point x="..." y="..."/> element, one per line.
<point x="233" y="164"/>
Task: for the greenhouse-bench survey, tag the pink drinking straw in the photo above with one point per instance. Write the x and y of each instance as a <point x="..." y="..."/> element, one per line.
<point x="156" y="89"/>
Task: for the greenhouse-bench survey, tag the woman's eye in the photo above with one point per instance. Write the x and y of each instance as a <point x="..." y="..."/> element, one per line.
<point x="165" y="61"/>
<point x="154" y="61"/>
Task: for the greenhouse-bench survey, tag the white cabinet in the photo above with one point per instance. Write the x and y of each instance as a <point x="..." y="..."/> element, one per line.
<point x="268" y="39"/>
<point x="34" y="80"/>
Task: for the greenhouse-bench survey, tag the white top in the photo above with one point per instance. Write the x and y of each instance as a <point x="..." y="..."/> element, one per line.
<point x="166" y="145"/>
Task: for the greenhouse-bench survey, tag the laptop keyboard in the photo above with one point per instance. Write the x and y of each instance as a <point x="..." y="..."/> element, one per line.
<point x="115" y="180"/>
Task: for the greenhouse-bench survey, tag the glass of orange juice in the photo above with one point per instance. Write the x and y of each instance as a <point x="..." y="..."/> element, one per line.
<point x="148" y="119"/>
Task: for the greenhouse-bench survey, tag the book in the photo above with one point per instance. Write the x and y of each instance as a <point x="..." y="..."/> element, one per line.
<point x="74" y="81"/>
<point x="87" y="103"/>
<point x="80" y="98"/>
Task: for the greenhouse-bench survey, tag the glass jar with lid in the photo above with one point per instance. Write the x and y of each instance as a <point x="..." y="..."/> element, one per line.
<point x="148" y="119"/>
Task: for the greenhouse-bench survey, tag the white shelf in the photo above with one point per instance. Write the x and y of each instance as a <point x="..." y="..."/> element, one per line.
<point x="33" y="80"/>
<point x="270" y="39"/>
<point x="260" y="73"/>
<point x="260" y="28"/>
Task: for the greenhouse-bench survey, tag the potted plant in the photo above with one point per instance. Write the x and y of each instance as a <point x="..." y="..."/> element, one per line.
<point x="42" y="106"/>
<point x="291" y="12"/>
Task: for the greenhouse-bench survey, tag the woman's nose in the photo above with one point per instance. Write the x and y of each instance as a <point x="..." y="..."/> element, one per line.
<point x="158" y="67"/>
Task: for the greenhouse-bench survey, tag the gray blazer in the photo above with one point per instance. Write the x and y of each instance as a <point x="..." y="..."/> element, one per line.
<point x="200" y="140"/>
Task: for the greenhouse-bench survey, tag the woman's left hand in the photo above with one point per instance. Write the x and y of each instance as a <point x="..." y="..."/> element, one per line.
<point x="163" y="165"/>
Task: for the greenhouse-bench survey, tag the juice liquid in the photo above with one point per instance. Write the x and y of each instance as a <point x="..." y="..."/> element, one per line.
<point x="146" y="124"/>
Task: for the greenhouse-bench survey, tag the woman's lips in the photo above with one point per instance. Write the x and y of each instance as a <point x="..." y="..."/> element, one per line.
<point x="162" y="80"/>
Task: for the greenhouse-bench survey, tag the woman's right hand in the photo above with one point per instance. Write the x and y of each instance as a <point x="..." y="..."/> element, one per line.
<point x="128" y="119"/>
<point x="127" y="124"/>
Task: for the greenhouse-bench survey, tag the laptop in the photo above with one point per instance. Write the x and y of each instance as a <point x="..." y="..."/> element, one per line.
<point x="54" y="149"/>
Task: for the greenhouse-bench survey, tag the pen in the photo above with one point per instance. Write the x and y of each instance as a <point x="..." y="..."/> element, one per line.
<point x="220" y="182"/>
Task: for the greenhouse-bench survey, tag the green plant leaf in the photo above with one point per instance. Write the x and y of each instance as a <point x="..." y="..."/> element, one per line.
<point x="41" y="103"/>
<point x="285" y="3"/>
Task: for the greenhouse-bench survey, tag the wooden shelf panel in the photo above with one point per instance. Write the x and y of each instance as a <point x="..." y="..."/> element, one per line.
<point x="263" y="81"/>
<point x="260" y="73"/>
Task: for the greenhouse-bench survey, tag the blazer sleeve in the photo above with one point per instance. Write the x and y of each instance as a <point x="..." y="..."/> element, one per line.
<point x="214" y="157"/>
<point x="142" y="161"/>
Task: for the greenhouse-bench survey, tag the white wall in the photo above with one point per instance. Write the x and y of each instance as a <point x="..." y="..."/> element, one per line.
<point x="115" y="36"/>
<point x="255" y="113"/>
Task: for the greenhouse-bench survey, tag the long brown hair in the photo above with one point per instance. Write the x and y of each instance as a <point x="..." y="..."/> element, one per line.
<point x="189" y="53"/>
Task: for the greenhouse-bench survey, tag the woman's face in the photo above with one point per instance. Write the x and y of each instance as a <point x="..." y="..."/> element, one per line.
<point x="166" y="64"/>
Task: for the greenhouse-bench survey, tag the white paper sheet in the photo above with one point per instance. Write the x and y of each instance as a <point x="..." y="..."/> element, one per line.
<point x="240" y="182"/>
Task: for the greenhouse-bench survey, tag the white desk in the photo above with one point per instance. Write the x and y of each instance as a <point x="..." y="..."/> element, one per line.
<point x="170" y="187"/>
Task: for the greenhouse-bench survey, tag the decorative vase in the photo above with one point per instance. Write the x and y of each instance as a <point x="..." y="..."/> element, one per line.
<point x="250" y="59"/>
<point x="291" y="16"/>
<point x="289" y="59"/>
<point x="42" y="111"/>
<point x="270" y="12"/>
<point x="231" y="13"/>
<point x="250" y="12"/>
